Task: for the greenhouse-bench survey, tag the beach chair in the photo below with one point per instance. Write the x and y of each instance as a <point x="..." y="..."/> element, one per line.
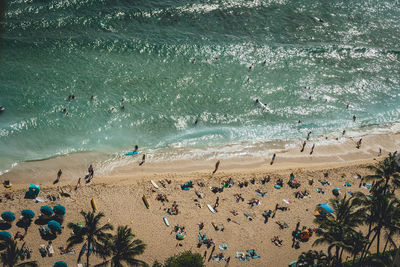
<point x="253" y="254"/>
<point x="50" y="250"/>
<point x="242" y="256"/>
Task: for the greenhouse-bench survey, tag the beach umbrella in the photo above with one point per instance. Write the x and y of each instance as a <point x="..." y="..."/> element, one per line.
<point x="8" y="216"/>
<point x="326" y="207"/>
<point x="336" y="191"/>
<point x="46" y="210"/>
<point x="60" y="264"/>
<point x="4" y="235"/>
<point x="59" y="210"/>
<point x="54" y="226"/>
<point x="28" y="213"/>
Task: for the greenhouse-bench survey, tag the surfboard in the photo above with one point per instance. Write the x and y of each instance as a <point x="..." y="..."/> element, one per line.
<point x="154" y="184"/>
<point x="265" y="107"/>
<point x="211" y="208"/>
<point x="131" y="153"/>
<point x="93" y="203"/>
<point x="166" y="221"/>
<point x="146" y="203"/>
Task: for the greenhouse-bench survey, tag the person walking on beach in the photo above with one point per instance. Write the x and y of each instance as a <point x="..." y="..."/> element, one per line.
<point x="359" y="143"/>
<point x="143" y="160"/>
<point x="312" y="149"/>
<point x="354" y="117"/>
<point x="216" y="167"/>
<point x="136" y="148"/>
<point x="304" y="145"/>
<point x="273" y="159"/>
<point x="59" y="173"/>
<point x="91" y="171"/>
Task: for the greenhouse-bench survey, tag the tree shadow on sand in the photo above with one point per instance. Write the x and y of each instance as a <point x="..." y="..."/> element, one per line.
<point x="5" y="226"/>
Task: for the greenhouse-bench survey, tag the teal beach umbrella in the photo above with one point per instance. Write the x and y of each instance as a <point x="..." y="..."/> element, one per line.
<point x="8" y="216"/>
<point x="28" y="213"/>
<point x="60" y="264"/>
<point x="59" y="210"/>
<point x="46" y="210"/>
<point x="4" y="235"/>
<point x="54" y="226"/>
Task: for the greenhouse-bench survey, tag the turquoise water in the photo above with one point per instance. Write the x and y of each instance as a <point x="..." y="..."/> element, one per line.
<point x="174" y="62"/>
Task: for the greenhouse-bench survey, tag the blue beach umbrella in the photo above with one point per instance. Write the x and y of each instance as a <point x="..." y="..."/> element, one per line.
<point x="60" y="264"/>
<point x="28" y="213"/>
<point x="46" y="210"/>
<point x="4" y="235"/>
<point x="54" y="226"/>
<point x="59" y="210"/>
<point x="8" y="216"/>
<point x="326" y="207"/>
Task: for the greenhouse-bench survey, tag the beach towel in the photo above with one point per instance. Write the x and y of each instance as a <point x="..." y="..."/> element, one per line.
<point x="242" y="256"/>
<point x="287" y="201"/>
<point x="277" y="186"/>
<point x="347" y="184"/>
<point x="253" y="254"/>
<point x="223" y="246"/>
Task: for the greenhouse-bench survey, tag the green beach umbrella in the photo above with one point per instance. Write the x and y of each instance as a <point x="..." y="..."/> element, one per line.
<point x="60" y="264"/>
<point x="4" y="235"/>
<point x="28" y="213"/>
<point x="59" y="210"/>
<point x="54" y="226"/>
<point x="8" y="216"/>
<point x="46" y="210"/>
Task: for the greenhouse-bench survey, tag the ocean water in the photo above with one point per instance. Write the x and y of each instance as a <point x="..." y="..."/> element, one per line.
<point x="172" y="62"/>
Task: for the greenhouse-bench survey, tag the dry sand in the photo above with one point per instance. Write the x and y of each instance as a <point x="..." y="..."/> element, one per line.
<point x="119" y="194"/>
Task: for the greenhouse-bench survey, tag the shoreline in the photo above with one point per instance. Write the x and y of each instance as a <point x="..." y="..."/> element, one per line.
<point x="344" y="152"/>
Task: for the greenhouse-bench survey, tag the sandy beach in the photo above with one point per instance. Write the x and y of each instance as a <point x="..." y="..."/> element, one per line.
<point x="119" y="196"/>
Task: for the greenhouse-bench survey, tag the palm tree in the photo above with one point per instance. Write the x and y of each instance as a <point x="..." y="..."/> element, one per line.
<point x="12" y="255"/>
<point x="122" y="247"/>
<point x="339" y="229"/>
<point x="386" y="171"/>
<point x="91" y="234"/>
<point x="313" y="257"/>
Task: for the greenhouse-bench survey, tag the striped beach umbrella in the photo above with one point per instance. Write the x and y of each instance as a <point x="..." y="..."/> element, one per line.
<point x="8" y="216"/>
<point x="28" y="213"/>
<point x="4" y="235"/>
<point x="59" y="210"/>
<point x="60" y="264"/>
<point x="54" y="226"/>
<point x="46" y="210"/>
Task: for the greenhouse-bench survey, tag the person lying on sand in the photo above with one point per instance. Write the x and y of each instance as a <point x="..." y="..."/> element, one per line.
<point x="267" y="214"/>
<point x="282" y="225"/>
<point x="265" y="179"/>
<point x="238" y="197"/>
<point x="254" y="202"/>
<point x="277" y="241"/>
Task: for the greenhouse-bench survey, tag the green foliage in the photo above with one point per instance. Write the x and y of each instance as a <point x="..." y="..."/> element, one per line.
<point x="11" y="255"/>
<point x="379" y="211"/>
<point x="185" y="259"/>
<point x="157" y="264"/>
<point x="91" y="234"/>
<point x="122" y="247"/>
